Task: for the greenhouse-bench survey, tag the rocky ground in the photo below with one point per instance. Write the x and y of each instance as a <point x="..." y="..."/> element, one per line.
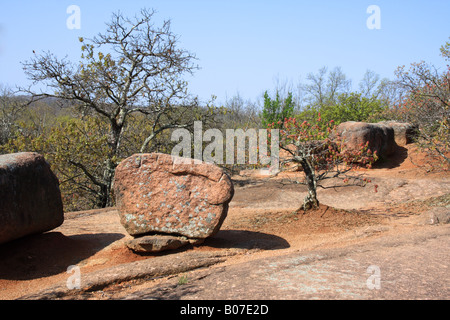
<point x="384" y="242"/>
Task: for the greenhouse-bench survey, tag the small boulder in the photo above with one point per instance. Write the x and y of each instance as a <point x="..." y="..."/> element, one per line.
<point x="438" y="215"/>
<point x="156" y="243"/>
<point x="159" y="193"/>
<point x="30" y="199"/>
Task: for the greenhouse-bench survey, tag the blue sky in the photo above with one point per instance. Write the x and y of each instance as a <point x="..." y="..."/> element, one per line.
<point x="243" y="46"/>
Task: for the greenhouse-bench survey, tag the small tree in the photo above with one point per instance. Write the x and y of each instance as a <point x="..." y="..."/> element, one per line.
<point x="321" y="157"/>
<point x="275" y="111"/>
<point x="428" y="104"/>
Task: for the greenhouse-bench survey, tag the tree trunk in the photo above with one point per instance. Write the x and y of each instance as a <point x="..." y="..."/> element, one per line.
<point x="310" y="201"/>
<point x="105" y="198"/>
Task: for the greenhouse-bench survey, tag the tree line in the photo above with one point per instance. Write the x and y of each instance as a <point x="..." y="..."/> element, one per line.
<point x="128" y="93"/>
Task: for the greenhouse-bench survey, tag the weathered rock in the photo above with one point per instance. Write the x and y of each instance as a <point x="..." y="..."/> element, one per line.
<point x="157" y="243"/>
<point x="404" y="132"/>
<point x="30" y="199"/>
<point x="137" y="271"/>
<point x="438" y="215"/>
<point x="380" y="137"/>
<point x="158" y="193"/>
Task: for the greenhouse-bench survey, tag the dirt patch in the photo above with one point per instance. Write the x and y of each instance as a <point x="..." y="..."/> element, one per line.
<point x="292" y="225"/>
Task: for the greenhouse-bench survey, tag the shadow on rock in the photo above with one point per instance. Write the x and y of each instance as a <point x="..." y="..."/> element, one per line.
<point x="243" y="239"/>
<point x="49" y="253"/>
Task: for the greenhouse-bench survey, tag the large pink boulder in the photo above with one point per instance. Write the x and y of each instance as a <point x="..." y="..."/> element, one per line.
<point x="156" y="194"/>
<point x="381" y="137"/>
<point x="30" y="199"/>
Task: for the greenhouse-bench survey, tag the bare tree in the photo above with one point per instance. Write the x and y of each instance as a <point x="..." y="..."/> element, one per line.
<point x="337" y="84"/>
<point x="134" y="67"/>
<point x="316" y="89"/>
<point x="369" y="84"/>
<point x="10" y="110"/>
<point x="428" y="105"/>
<point x="240" y="114"/>
<point x="324" y="88"/>
<point x="390" y="91"/>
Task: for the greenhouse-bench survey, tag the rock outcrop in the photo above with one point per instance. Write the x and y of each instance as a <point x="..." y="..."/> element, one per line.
<point x="404" y="132"/>
<point x="159" y="242"/>
<point x="161" y="194"/>
<point x="30" y="199"/>
<point x="381" y="137"/>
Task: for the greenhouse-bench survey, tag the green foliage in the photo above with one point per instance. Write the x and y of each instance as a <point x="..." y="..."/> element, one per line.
<point x="76" y="149"/>
<point x="79" y="150"/>
<point x="445" y="50"/>
<point x="183" y="279"/>
<point x="349" y="107"/>
<point x="275" y="111"/>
